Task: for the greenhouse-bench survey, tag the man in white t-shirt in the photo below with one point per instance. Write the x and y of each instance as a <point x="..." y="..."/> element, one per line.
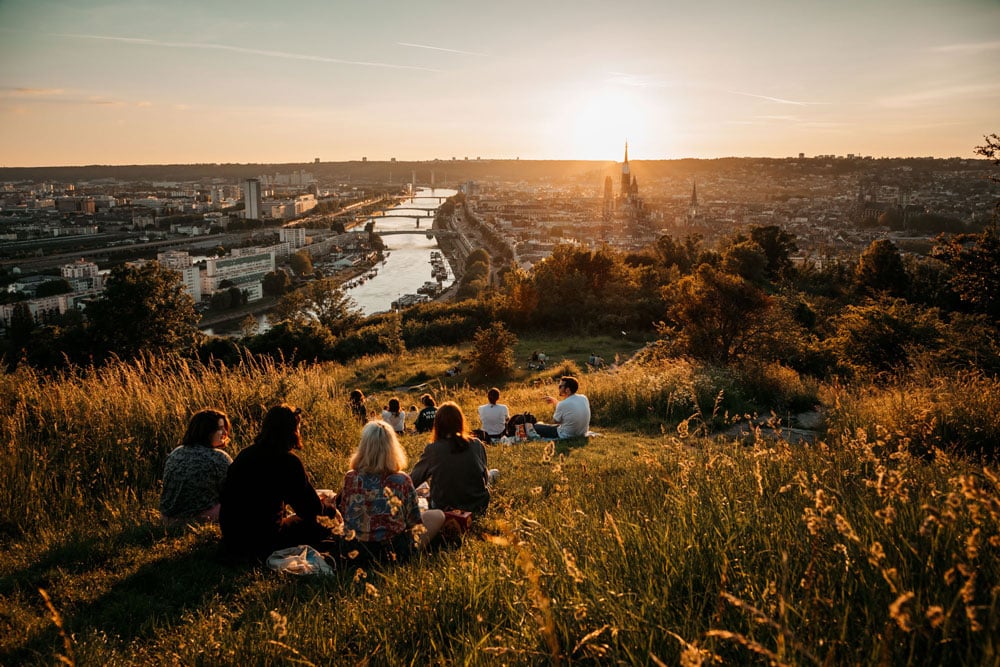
<point x="572" y="413"/>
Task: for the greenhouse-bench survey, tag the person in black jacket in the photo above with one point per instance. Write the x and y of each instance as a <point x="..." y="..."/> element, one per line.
<point x="455" y="464"/>
<point x="425" y="420"/>
<point x="265" y="478"/>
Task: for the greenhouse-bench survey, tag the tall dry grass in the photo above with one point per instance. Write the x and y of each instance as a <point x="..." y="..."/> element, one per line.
<point x="635" y="547"/>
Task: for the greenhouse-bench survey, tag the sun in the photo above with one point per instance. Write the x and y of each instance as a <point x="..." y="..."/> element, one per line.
<point x="601" y="121"/>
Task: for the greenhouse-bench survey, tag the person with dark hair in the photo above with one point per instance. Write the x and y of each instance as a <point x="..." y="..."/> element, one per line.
<point x="194" y="472"/>
<point x="395" y="416"/>
<point x="378" y="500"/>
<point x="572" y="413"/>
<point x="425" y="420"/>
<point x="265" y="479"/>
<point x="493" y="416"/>
<point x="357" y="405"/>
<point x="455" y="464"/>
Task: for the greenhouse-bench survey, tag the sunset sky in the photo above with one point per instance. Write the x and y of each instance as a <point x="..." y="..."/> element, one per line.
<point x="143" y="82"/>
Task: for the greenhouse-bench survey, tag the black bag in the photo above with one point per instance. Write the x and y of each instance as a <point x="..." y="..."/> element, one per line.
<point x="517" y="420"/>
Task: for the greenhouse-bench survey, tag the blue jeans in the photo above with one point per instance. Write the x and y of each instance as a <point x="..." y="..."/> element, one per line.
<point x="550" y="431"/>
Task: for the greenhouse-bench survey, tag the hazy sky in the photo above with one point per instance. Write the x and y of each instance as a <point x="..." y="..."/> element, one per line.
<point x="144" y="82"/>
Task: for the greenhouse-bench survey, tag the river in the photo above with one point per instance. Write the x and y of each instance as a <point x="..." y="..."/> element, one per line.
<point x="408" y="265"/>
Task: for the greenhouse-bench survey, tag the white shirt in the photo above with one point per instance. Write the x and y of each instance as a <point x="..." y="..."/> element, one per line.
<point x="493" y="417"/>
<point x="397" y="422"/>
<point x="573" y="416"/>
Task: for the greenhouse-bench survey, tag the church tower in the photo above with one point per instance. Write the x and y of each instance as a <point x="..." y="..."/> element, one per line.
<point x="609" y="199"/>
<point x="693" y="207"/>
<point x="626" y="187"/>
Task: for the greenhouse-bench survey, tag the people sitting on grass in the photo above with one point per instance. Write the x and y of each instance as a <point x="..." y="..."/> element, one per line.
<point x="455" y="465"/>
<point x="195" y="471"/>
<point x="395" y="416"/>
<point x="493" y="416"/>
<point x="357" y="405"/>
<point x="572" y="413"/>
<point x="265" y="479"/>
<point x="425" y="420"/>
<point x="379" y="503"/>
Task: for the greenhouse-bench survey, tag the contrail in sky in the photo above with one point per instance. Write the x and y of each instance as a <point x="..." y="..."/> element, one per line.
<point x="774" y="99"/>
<point x="439" y="48"/>
<point x="244" y="50"/>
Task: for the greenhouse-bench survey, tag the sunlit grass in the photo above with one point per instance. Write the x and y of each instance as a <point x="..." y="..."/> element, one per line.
<point x="645" y="543"/>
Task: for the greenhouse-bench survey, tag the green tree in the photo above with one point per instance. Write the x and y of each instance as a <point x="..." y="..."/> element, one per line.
<point x="53" y="287"/>
<point x="301" y="263"/>
<point x="974" y="260"/>
<point x="716" y="313"/>
<point x="746" y="259"/>
<point x="21" y="324"/>
<point x="143" y="309"/>
<point x="492" y="353"/>
<point x="322" y="301"/>
<point x="881" y="269"/>
<point x="276" y="283"/>
<point x="879" y="338"/>
<point x="221" y="300"/>
<point x="778" y="246"/>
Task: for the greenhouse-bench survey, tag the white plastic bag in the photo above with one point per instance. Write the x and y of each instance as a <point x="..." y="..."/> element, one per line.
<point x="302" y="559"/>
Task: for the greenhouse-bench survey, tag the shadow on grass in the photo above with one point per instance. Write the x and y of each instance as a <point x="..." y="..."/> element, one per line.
<point x="156" y="594"/>
<point x="567" y="445"/>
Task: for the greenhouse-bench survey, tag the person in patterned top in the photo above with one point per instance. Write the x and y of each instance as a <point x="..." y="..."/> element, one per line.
<point x="194" y="472"/>
<point x="378" y="501"/>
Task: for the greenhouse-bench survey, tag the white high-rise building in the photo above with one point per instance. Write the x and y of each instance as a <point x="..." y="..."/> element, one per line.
<point x="252" y="198"/>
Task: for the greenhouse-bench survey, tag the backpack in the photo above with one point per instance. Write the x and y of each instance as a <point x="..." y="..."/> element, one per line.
<point x="516" y="420"/>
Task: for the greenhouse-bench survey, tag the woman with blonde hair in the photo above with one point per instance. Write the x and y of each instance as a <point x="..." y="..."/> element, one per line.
<point x="378" y="500"/>
<point x="455" y="464"/>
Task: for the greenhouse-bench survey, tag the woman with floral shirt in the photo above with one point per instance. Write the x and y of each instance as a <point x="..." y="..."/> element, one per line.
<point x="378" y="501"/>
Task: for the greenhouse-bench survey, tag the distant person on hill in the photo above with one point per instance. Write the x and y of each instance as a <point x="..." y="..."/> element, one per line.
<point x="395" y="416"/>
<point x="425" y="420"/>
<point x="572" y="413"/>
<point x="493" y="416"/>
<point x="455" y="464"/>
<point x="357" y="404"/>
<point x="195" y="471"/>
<point x="378" y="500"/>
<point x="265" y="479"/>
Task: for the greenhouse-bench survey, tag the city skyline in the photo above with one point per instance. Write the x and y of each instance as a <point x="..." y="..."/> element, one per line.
<point x="149" y="83"/>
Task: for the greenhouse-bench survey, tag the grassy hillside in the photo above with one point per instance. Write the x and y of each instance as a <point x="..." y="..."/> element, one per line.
<point x="657" y="542"/>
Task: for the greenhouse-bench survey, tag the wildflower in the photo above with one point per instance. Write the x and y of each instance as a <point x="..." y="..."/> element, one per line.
<point x="279" y="623"/>
<point x="846" y="529"/>
<point x="972" y="544"/>
<point x="370" y="590"/>
<point x="936" y="615"/>
<point x="876" y="554"/>
<point x="571" y="567"/>
<point x="899" y="613"/>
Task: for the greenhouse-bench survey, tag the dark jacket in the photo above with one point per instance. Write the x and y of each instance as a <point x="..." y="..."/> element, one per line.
<point x="457" y="476"/>
<point x="259" y="484"/>
<point x="425" y="420"/>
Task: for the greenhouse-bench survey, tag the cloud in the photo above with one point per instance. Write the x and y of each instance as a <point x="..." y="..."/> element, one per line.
<point x="440" y="48"/>
<point x="34" y="92"/>
<point x="777" y="100"/>
<point x="239" y="49"/>
<point x="970" y="47"/>
<point x="938" y="95"/>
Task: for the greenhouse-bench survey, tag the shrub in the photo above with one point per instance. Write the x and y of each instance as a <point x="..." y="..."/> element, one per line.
<point x="493" y="351"/>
